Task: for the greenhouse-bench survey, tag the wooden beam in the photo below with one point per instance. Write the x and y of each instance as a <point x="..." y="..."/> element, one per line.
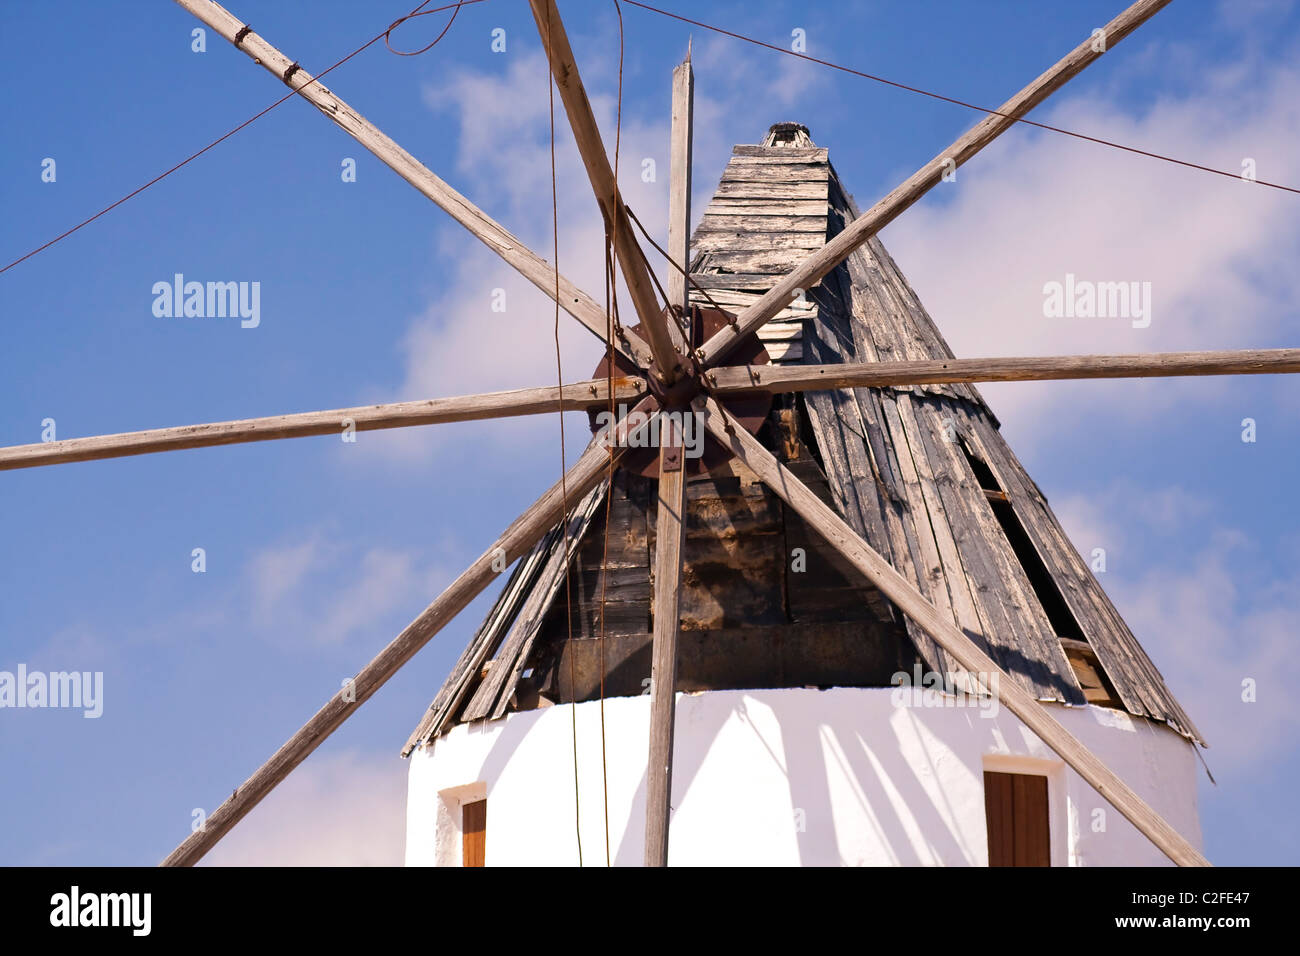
<point x="465" y="408"/>
<point x="910" y="601"/>
<point x="810" y="271"/>
<point x="636" y="272"/>
<point x="669" y="534"/>
<point x="593" y="393"/>
<point x="530" y="265"/>
<point x="514" y="541"/>
<point x="799" y="378"/>
<point x="679" y="184"/>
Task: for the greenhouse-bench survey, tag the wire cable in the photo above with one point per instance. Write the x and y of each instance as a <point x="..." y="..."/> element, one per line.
<point x="949" y="99"/>
<point x="611" y="288"/>
<point x="417" y="12"/>
<point x="564" y="487"/>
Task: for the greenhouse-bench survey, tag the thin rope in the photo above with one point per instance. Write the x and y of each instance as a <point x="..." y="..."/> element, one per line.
<point x="611" y="290"/>
<point x="970" y="106"/>
<point x="654" y="279"/>
<point x="604" y="560"/>
<point x="564" y="483"/>
<point x="221" y="139"/>
<point x="611" y="311"/>
<point x="412" y="16"/>
<point x="673" y="262"/>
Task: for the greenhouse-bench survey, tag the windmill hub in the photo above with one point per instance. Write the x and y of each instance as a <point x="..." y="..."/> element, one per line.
<point x="749" y="411"/>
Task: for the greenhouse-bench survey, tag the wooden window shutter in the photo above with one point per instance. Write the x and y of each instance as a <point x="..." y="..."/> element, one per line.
<point x="1015" y="805"/>
<point x="474" y="833"/>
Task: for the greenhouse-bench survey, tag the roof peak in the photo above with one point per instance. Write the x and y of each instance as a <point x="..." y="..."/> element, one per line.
<point x="788" y="134"/>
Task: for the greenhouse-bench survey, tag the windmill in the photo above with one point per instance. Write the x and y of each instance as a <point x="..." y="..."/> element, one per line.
<point x="693" y="359"/>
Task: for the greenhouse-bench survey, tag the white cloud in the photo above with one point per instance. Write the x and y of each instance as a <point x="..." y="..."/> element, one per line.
<point x="1123" y="517"/>
<point x="347" y="809"/>
<point x="1034" y="207"/>
<point x="1250" y="16"/>
<point x="386" y="580"/>
<point x="753" y="76"/>
<point x="1220" y="625"/>
<point x="325" y="592"/>
<point x="1213" y="616"/>
<point x="458" y="344"/>
<point x="1218" y="252"/>
<point x="277" y="573"/>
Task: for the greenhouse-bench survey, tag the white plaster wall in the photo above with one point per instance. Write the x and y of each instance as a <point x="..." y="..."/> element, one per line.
<point x="847" y="776"/>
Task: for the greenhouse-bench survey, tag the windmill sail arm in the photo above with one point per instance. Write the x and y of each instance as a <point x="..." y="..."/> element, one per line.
<point x="670" y="522"/>
<point x="1016" y="699"/>
<point x="799" y="378"/>
<point x="514" y="542"/>
<point x="811" y="270"/>
<point x="636" y="271"/>
<point x="464" y="408"/>
<point x="530" y="265"/>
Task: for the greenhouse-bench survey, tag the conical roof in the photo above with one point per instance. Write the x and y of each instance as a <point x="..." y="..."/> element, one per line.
<point x="921" y="472"/>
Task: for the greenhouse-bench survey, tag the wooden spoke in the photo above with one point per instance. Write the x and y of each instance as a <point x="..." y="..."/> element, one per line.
<point x="636" y="272"/>
<point x="679" y="185"/>
<point x="514" y="541"/>
<point x="524" y="401"/>
<point x="894" y="586"/>
<point x="530" y="265"/>
<point x="799" y="378"/>
<point x="669" y="535"/>
<point x="670" y="523"/>
<point x="810" y="271"/>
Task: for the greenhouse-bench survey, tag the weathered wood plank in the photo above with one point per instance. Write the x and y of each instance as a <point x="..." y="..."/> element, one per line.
<point x="739" y="298"/>
<point x="823" y="653"/>
<point x="714" y="241"/>
<point x="788" y="154"/>
<point x="484" y="643"/>
<point x="838" y="425"/>
<point x="1135" y="677"/>
<point x="755" y="281"/>
<point x="516" y="540"/>
<point x="996" y="566"/>
<point x="524" y="401"/>
<point x="669" y="537"/>
<point x="785" y="352"/>
<point x="723" y="206"/>
<point x="1034" y="368"/>
<point x="820" y="155"/>
<point x="776" y="173"/>
<point x="631" y="261"/>
<point x="679" y="186"/>
<point x="493" y="694"/>
<point x="916" y="186"/>
<point x="932" y="519"/>
<point x="764" y="190"/>
<point x="793" y="318"/>
<point x="776" y="262"/>
<point x="1010" y="635"/>
<point x="530" y="265"/>
<point x="1016" y="699"/>
<point x="780" y="332"/>
<point x="752" y="222"/>
<point x="914" y="516"/>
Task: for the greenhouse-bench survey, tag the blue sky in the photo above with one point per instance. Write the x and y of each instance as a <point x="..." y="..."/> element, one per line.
<point x="318" y="552"/>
